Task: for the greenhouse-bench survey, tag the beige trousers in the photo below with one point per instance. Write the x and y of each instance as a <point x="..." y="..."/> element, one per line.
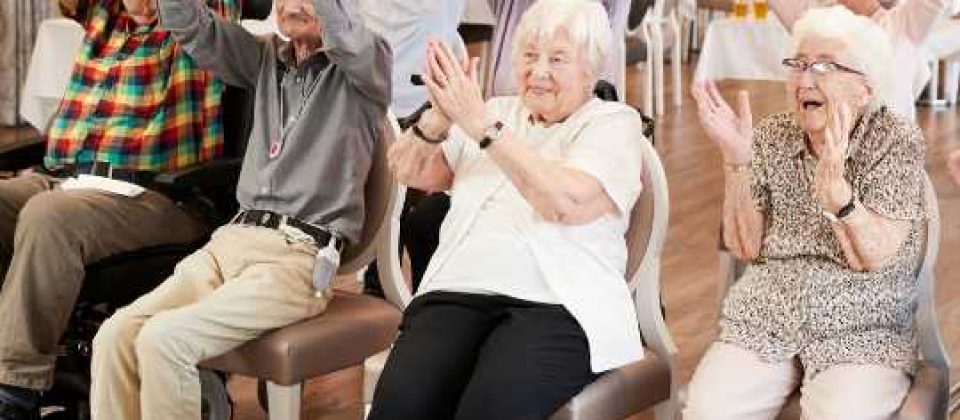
<point x="246" y="281"/>
<point x="47" y="237"/>
<point x="733" y="383"/>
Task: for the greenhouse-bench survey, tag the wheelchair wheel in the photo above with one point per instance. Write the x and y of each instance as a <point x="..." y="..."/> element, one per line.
<point x="215" y="402"/>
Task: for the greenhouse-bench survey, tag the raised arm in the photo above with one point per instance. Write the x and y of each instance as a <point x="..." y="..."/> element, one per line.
<point x="213" y="42"/>
<point x="361" y="53"/>
<point x="788" y="11"/>
<point x="917" y="17"/>
<point x="743" y="219"/>
<point x="884" y="205"/>
<point x="421" y="164"/>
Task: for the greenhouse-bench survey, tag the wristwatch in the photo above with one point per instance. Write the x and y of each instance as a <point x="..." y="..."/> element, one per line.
<point x="843" y="212"/>
<point x="491" y="134"/>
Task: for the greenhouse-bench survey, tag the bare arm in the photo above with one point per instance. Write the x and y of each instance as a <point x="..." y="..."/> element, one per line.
<point x="743" y="219"/>
<point x="558" y="193"/>
<point x="918" y="17"/>
<point x="868" y="239"/>
<point x="743" y="222"/>
<point x="419" y="164"/>
<point x="788" y="11"/>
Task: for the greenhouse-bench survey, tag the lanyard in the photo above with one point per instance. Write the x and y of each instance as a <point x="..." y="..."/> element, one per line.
<point x="287" y="124"/>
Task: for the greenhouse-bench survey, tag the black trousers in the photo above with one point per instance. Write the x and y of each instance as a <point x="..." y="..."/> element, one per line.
<point x="468" y="356"/>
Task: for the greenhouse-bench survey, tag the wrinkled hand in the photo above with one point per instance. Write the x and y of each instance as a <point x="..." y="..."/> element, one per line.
<point x="830" y="187"/>
<point x="731" y="131"/>
<point x="454" y="88"/>
<point x="953" y="163"/>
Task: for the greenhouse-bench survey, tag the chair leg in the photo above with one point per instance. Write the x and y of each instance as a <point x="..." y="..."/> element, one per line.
<point x="951" y="84"/>
<point x="284" y="401"/>
<point x="666" y="410"/>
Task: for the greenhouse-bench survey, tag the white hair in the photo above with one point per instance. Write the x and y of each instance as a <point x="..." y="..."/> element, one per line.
<point x="585" y="22"/>
<point x="867" y="44"/>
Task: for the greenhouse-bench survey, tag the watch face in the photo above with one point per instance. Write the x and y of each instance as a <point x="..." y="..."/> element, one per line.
<point x="493" y="131"/>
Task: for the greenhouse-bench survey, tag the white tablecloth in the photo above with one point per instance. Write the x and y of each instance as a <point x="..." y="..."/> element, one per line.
<point x="58" y="41"/>
<point x="743" y="49"/>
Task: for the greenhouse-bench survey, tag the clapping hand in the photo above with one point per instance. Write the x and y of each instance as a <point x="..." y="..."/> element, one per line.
<point x="830" y="187"/>
<point x="731" y="131"/>
<point x="454" y="88"/>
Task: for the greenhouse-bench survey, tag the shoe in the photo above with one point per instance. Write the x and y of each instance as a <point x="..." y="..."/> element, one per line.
<point x="12" y="411"/>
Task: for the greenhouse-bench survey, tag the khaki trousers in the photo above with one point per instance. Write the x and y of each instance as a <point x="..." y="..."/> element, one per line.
<point x="246" y="281"/>
<point x="733" y="383"/>
<point x="47" y="236"/>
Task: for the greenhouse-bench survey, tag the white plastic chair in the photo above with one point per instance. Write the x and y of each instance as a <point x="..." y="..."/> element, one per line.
<point x="660" y="31"/>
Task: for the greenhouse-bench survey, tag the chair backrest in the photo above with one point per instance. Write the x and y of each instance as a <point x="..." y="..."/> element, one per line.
<point x="380" y="198"/>
<point x="932" y="348"/>
<point x="645" y="238"/>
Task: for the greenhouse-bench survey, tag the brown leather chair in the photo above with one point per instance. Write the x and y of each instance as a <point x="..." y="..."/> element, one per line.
<point x="352" y="328"/>
<point x="928" y="396"/>
<point x="652" y="381"/>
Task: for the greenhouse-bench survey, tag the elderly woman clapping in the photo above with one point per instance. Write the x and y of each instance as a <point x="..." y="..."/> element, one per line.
<point x="524" y="302"/>
<point x="826" y="203"/>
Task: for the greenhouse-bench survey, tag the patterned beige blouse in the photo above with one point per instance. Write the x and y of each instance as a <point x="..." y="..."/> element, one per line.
<point x="801" y="298"/>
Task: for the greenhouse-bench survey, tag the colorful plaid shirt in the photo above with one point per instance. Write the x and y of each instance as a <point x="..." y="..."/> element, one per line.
<point x="135" y="99"/>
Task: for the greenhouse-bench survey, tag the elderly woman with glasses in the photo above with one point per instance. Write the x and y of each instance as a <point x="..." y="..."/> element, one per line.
<point x="826" y="204"/>
<point x="525" y="301"/>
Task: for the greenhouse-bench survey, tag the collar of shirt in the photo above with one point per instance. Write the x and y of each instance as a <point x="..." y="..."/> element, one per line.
<point x="129" y="25"/>
<point x="316" y="62"/>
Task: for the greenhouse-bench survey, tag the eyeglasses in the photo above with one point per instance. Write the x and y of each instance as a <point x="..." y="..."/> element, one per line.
<point x="818" y="67"/>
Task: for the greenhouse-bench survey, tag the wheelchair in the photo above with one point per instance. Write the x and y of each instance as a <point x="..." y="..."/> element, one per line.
<point x="206" y="190"/>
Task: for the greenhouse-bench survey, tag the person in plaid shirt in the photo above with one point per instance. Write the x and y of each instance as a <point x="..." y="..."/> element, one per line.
<point x="137" y="105"/>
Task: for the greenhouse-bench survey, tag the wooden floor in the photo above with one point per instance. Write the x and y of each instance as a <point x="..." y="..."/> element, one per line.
<point x="690" y="266"/>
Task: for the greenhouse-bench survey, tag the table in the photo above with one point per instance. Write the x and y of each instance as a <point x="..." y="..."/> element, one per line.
<point x="743" y="49"/>
<point x="58" y="41"/>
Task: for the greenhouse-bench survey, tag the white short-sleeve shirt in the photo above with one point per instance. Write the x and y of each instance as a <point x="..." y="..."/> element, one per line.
<point x="494" y="242"/>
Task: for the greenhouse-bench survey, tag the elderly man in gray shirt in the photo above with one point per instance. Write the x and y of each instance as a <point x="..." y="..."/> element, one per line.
<point x="320" y="105"/>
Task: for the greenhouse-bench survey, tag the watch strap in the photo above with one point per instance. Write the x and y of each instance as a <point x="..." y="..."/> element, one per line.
<point x="488" y="137"/>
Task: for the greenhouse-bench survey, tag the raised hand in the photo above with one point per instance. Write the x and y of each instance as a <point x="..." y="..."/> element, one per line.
<point x="830" y="186"/>
<point x="454" y="88"/>
<point x="731" y="131"/>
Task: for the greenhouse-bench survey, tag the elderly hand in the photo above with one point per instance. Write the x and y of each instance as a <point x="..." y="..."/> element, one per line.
<point x="732" y="132"/>
<point x="830" y="187"/>
<point x="454" y="89"/>
<point x="953" y="163"/>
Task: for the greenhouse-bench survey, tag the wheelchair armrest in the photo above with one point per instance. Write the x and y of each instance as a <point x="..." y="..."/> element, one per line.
<point x="217" y="173"/>
<point x="23" y="155"/>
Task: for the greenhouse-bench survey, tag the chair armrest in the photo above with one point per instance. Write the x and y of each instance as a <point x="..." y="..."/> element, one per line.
<point x="217" y="173"/>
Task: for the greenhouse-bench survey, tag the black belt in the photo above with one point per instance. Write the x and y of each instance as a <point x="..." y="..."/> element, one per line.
<point x="272" y="220"/>
<point x="141" y="178"/>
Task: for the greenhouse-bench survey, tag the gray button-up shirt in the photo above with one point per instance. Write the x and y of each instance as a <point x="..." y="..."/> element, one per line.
<point x="321" y="119"/>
